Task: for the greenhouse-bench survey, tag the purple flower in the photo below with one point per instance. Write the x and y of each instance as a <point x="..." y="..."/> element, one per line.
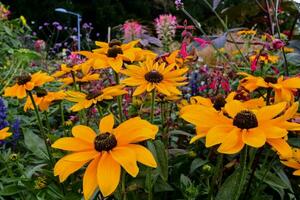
<point x="16" y="130"/>
<point x="59" y="27"/>
<point x="179" y="4"/>
<point x="55" y="24"/>
<point x="46" y="24"/>
<point x="40" y="27"/>
<point x="3" y="115"/>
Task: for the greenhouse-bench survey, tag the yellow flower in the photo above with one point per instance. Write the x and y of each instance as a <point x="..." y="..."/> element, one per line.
<point x="239" y="126"/>
<point x="4" y="133"/>
<point x="112" y="54"/>
<point x="149" y="76"/>
<point x="247" y="32"/>
<point x="43" y="99"/>
<point x="293" y="162"/>
<point x="284" y="89"/>
<point x="64" y="69"/>
<point x="288" y="50"/>
<point x="266" y="59"/>
<point x="23" y="20"/>
<point x="107" y="151"/>
<point x="81" y="77"/>
<point x="27" y="82"/>
<point x="87" y="100"/>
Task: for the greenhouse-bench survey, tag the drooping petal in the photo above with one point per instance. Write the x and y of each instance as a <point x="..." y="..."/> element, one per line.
<point x="134" y="130"/>
<point x="126" y="157"/>
<point x="281" y="146"/>
<point x="143" y="155"/>
<point x="72" y="144"/>
<point x="217" y="134"/>
<point x="106" y="124"/>
<point x="108" y="174"/>
<point x="291" y="163"/>
<point x="232" y="143"/>
<point x="64" y="168"/>
<point x="84" y="133"/>
<point x="89" y="178"/>
<point x="254" y="137"/>
<point x="140" y="89"/>
<point x="116" y="64"/>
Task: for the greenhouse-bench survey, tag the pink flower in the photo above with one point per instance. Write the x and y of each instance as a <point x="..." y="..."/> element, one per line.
<point x="203" y="43"/>
<point x="253" y="66"/>
<point x="183" y="51"/>
<point x="225" y="85"/>
<point x="132" y="30"/>
<point x="165" y="26"/>
<point x="39" y="45"/>
<point x="277" y="44"/>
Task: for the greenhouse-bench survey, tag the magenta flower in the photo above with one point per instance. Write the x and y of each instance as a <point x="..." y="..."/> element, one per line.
<point x="203" y="43"/>
<point x="132" y="30"/>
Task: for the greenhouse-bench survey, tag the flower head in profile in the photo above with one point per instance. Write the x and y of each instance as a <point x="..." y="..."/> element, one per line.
<point x="4" y="133"/>
<point x="293" y="161"/>
<point x="152" y="75"/>
<point x="87" y="100"/>
<point x="107" y="151"/>
<point x="43" y="99"/>
<point x="284" y="88"/>
<point x="246" y="32"/>
<point x="238" y="125"/>
<point x="27" y="82"/>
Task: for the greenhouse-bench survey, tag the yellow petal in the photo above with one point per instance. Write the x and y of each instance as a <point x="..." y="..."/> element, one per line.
<point x="254" y="137"/>
<point x="216" y="135"/>
<point x="126" y="157"/>
<point x="108" y="174"/>
<point x="269" y="112"/>
<point x="281" y="146"/>
<point x="82" y="156"/>
<point x="140" y="89"/>
<point x="134" y="130"/>
<point x="143" y="155"/>
<point x="84" y="133"/>
<point x="106" y="124"/>
<point x="274" y="131"/>
<point x="291" y="163"/>
<point x="296" y="173"/>
<point x="64" y="168"/>
<point x="116" y="64"/>
<point x="89" y="179"/>
<point x="232" y="143"/>
<point x="292" y="83"/>
<point x="72" y="144"/>
<point x="234" y="107"/>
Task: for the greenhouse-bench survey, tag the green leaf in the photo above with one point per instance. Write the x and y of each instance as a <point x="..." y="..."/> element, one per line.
<point x="271" y="179"/>
<point x="229" y="187"/>
<point x="196" y="164"/>
<point x="162" y="186"/>
<point x="11" y="190"/>
<point x="35" y="144"/>
<point x="162" y="159"/>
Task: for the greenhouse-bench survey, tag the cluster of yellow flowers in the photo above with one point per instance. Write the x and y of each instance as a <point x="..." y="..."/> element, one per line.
<point x="112" y="147"/>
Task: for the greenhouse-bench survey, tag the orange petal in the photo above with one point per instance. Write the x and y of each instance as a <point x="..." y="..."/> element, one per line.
<point x="84" y="133"/>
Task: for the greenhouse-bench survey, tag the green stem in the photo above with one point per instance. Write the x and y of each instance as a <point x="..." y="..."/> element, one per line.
<point x="124" y="195"/>
<point x="47" y="121"/>
<point x="217" y="171"/>
<point x="119" y="98"/>
<point x="165" y="136"/>
<point x="152" y="105"/>
<point x="41" y="128"/>
<point x="244" y="173"/>
<point x="62" y="115"/>
<point x="99" y="110"/>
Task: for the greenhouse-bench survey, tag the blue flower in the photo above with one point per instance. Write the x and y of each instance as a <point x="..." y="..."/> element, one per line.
<point x="3" y="115"/>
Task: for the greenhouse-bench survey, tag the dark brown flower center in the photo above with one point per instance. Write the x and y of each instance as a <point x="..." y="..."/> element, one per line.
<point x="114" y="51"/>
<point x="105" y="142"/>
<point x="154" y="76"/>
<point x="23" y="79"/>
<point x="114" y="42"/>
<point x="41" y="92"/>
<point x="219" y="102"/>
<point x="270" y="79"/>
<point x="245" y="120"/>
<point x="93" y="95"/>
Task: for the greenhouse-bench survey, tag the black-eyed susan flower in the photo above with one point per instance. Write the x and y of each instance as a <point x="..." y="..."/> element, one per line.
<point x="116" y="53"/>
<point x="4" y="133"/>
<point x="240" y="125"/>
<point x="27" y="82"/>
<point x="64" y="70"/>
<point x="107" y="151"/>
<point x="293" y="161"/>
<point x="284" y="88"/>
<point x="43" y="99"/>
<point x="87" y="100"/>
<point x="151" y="75"/>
